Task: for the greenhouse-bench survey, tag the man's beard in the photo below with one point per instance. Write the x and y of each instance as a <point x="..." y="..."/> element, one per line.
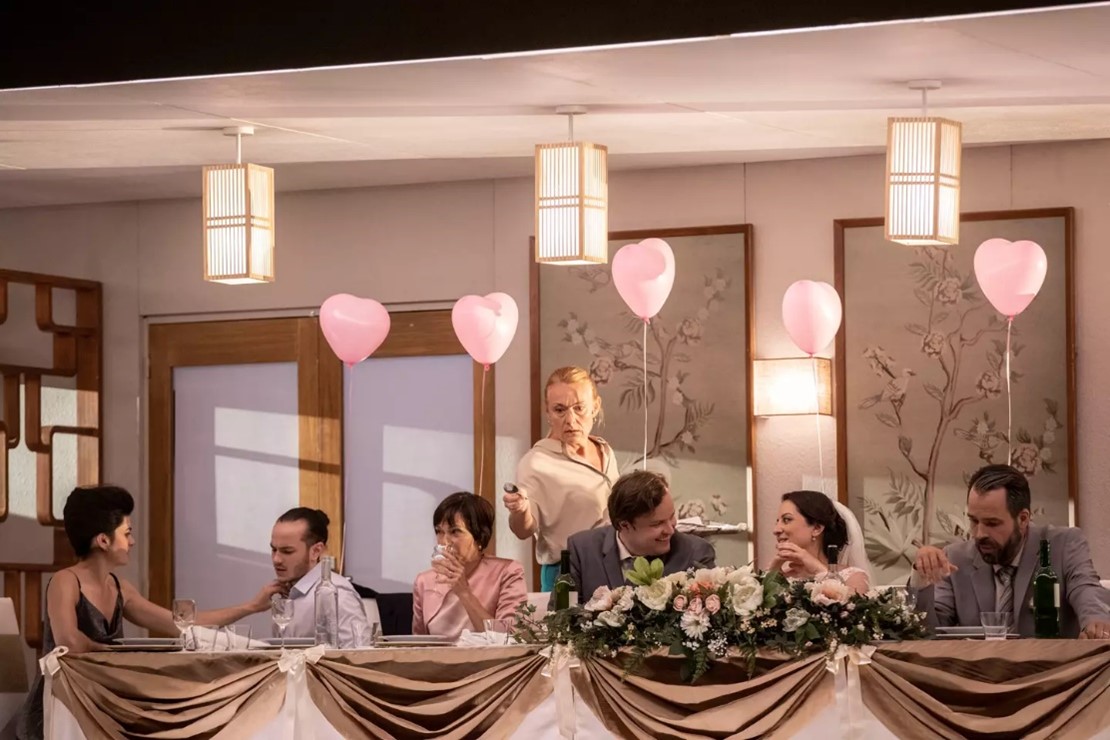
<point x="1006" y="554"/>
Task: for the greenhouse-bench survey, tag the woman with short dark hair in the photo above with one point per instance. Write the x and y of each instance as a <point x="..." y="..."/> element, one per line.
<point x="465" y="587"/>
<point x="87" y="603"/>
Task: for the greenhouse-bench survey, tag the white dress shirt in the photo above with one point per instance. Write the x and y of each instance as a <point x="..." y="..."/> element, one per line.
<point x="352" y="617"/>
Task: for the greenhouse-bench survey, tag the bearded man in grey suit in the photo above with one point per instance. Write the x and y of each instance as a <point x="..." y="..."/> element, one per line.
<point x="993" y="571"/>
<point x="642" y="517"/>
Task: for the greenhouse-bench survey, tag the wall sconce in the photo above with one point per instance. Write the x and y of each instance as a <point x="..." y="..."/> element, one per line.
<point x="792" y="386"/>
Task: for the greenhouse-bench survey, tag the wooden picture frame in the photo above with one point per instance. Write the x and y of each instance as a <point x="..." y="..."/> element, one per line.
<point x="708" y="316"/>
<point x="921" y="384"/>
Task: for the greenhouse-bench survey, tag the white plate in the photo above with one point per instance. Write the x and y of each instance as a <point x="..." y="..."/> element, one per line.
<point x="421" y="639"/>
<point x="297" y="642"/>
<point x="966" y="631"/>
<point x="149" y="642"/>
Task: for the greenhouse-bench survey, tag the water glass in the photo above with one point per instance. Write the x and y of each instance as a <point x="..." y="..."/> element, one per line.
<point x="368" y="636"/>
<point x="995" y="624"/>
<point x="439" y="552"/>
<point x="281" y="611"/>
<point x="184" y="616"/>
<point x="499" y="631"/>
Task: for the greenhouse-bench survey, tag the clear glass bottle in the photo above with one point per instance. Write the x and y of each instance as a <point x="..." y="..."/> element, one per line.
<point x="327" y="606"/>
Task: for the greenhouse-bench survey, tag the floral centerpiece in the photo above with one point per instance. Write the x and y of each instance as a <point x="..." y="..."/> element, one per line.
<point x="707" y="614"/>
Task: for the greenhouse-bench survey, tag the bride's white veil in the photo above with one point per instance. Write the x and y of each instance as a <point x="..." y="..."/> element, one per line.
<point x="855" y="554"/>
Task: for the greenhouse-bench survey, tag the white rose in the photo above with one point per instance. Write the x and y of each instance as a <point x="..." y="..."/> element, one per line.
<point x="656" y="595"/>
<point x="740" y="575"/>
<point x="714" y="578"/>
<point x="610" y="618"/>
<point x="623" y="600"/>
<point x="746" y="595"/>
<point x="601" y="600"/>
<point x="678" y="580"/>
<point x="828" y="591"/>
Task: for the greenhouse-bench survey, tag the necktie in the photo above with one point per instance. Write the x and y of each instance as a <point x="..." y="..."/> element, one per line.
<point x="1005" y="577"/>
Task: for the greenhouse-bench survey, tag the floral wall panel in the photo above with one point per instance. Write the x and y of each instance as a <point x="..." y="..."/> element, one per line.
<point x="922" y="382"/>
<point x="697" y="361"/>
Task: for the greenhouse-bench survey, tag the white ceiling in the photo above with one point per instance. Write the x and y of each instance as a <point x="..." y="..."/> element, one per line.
<point x="1013" y="78"/>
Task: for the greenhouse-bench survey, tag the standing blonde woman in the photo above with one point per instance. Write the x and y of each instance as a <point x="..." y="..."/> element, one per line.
<point x="566" y="477"/>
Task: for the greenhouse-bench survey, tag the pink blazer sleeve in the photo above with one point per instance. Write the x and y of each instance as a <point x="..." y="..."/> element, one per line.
<point x="512" y="592"/>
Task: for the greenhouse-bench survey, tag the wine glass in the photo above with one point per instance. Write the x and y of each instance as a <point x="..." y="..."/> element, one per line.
<point x="281" y="610"/>
<point x="184" y="616"/>
<point x="439" y="552"/>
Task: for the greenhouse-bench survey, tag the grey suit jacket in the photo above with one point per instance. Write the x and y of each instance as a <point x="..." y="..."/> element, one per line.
<point x="595" y="558"/>
<point x="958" y="599"/>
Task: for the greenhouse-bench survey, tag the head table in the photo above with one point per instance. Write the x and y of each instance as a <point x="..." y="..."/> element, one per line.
<point x="925" y="689"/>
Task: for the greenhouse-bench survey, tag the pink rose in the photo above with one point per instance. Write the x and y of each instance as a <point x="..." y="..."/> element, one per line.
<point x="713" y="603"/>
<point x="680" y="603"/>
<point x="696" y="605"/>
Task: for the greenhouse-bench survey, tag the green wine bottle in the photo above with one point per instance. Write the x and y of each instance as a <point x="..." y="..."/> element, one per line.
<point x="564" y="584"/>
<point x="1046" y="597"/>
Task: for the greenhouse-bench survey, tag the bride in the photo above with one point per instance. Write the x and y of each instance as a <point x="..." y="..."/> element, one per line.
<point x="809" y="528"/>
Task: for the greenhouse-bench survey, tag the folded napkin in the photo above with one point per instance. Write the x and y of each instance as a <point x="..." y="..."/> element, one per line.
<point x="221" y="640"/>
<point x="484" y="639"/>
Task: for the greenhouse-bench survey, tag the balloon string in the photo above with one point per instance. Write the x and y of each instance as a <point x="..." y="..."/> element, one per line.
<point x="482" y="433"/>
<point x="663" y="391"/>
<point x="817" y="422"/>
<point x="1009" y="398"/>
<point x="350" y="403"/>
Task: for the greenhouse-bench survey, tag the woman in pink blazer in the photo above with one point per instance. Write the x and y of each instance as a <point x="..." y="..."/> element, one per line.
<point x="464" y="586"/>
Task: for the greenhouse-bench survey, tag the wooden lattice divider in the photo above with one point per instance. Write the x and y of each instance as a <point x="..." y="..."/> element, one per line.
<point x="77" y="354"/>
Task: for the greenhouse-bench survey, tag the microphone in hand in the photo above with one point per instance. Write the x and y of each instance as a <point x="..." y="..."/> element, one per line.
<point x="515" y="501"/>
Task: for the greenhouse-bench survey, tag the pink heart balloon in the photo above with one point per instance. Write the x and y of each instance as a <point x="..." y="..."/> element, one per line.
<point x="1010" y="274"/>
<point x="644" y="275"/>
<point x="811" y="312"/>
<point x="354" y="327"/>
<point x="485" y="325"/>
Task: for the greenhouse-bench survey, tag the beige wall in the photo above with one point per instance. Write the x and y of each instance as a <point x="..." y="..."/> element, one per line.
<point x="433" y="243"/>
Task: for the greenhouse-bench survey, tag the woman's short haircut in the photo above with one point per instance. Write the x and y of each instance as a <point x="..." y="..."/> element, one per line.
<point x="93" y="511"/>
<point x="476" y="514"/>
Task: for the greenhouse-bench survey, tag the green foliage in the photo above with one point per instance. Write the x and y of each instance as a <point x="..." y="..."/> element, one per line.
<point x="706" y="615"/>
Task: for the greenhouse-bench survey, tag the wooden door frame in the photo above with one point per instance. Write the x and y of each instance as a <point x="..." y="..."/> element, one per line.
<point x="239" y="342"/>
<point x="320" y="407"/>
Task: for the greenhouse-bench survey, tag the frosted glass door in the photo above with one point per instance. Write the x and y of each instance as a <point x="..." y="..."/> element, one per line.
<point x="408" y="443"/>
<point x="236" y="469"/>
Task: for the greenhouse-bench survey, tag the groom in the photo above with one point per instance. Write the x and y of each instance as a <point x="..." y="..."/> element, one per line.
<point x="992" y="571"/>
<point x="642" y="514"/>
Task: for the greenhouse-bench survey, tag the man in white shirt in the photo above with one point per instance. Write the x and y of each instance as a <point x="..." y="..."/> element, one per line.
<point x="298" y="540"/>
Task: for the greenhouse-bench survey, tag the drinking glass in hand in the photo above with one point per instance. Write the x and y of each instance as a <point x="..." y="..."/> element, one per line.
<point x="281" y="610"/>
<point x="439" y="552"/>
<point x="184" y="616"/>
